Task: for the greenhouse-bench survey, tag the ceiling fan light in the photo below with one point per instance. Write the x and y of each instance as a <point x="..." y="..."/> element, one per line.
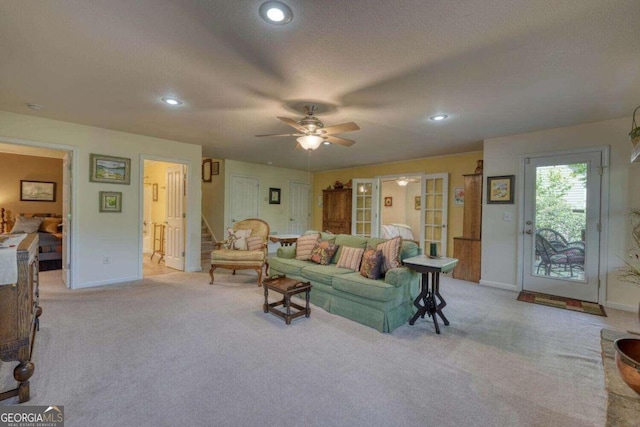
<point x="310" y="142"/>
<point x="402" y="182"/>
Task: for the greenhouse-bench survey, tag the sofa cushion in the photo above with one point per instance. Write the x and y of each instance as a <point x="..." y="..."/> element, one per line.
<point x="230" y="255"/>
<point x="305" y="244"/>
<point x="390" y="253"/>
<point x="355" y="284"/>
<point x="371" y="264"/>
<point x="409" y="249"/>
<point x="343" y="240"/>
<point x="323" y="252"/>
<point x="350" y="258"/>
<point x="288" y="266"/>
<point x="323" y="273"/>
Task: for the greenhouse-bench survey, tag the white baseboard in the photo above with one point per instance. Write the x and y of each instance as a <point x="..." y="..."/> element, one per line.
<point x="105" y="282"/>
<point x="505" y="286"/>
<point x="623" y="307"/>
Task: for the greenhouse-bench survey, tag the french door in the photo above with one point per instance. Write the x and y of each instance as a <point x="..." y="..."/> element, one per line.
<point x="365" y="210"/>
<point x="561" y="236"/>
<point x="434" y="201"/>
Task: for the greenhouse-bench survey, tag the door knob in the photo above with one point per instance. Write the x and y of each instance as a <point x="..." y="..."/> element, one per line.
<point x="529" y="232"/>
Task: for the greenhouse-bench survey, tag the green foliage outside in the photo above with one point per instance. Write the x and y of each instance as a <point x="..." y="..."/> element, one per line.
<point x="552" y="210"/>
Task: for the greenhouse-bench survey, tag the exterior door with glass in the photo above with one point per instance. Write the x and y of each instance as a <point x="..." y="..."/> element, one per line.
<point x="561" y="236"/>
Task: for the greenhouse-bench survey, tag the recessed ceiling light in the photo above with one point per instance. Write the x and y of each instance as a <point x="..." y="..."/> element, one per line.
<point x="171" y="101"/>
<point x="275" y="13"/>
<point x="438" y="117"/>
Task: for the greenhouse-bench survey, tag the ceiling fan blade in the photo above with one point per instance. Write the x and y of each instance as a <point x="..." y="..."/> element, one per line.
<point x="292" y="123"/>
<point x="344" y="127"/>
<point x="339" y="141"/>
<point x="281" y="134"/>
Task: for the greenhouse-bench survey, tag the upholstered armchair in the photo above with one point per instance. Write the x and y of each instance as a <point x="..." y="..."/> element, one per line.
<point x="244" y="248"/>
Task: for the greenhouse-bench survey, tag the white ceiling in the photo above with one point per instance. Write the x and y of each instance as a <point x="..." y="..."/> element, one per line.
<point x="495" y="67"/>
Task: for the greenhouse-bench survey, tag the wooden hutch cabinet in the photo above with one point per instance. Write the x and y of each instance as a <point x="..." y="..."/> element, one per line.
<point x="19" y="312"/>
<point x="336" y="211"/>
<point x="468" y="247"/>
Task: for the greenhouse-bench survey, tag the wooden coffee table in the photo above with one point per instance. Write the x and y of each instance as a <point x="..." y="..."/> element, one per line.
<point x="288" y="288"/>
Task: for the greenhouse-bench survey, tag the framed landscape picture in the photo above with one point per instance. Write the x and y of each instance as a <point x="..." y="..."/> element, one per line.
<point x="110" y="201"/>
<point x="37" y="191"/>
<point x="109" y="169"/>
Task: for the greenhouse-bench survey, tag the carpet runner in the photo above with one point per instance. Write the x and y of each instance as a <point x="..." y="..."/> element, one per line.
<point x="561" y="302"/>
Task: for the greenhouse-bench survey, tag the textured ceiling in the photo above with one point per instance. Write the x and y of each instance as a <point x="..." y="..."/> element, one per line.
<point x="495" y="67"/>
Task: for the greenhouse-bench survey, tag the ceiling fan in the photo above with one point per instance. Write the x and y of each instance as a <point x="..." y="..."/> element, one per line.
<point x="312" y="133"/>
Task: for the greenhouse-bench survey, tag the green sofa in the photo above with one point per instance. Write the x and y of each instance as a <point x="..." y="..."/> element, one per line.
<point x="383" y="304"/>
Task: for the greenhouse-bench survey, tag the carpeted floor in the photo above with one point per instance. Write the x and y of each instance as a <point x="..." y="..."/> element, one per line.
<point x="561" y="302"/>
<point x="172" y="350"/>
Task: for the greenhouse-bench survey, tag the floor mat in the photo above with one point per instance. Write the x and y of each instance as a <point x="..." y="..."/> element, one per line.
<point x="561" y="302"/>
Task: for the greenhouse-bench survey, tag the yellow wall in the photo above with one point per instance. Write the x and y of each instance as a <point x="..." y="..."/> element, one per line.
<point x="16" y="167"/>
<point x="456" y="166"/>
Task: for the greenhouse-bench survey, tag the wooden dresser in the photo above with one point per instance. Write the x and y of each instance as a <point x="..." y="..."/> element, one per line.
<point x="468" y="247"/>
<point x="336" y="211"/>
<point x="19" y="312"/>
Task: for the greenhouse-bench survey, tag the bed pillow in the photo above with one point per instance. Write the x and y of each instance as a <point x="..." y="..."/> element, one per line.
<point x="50" y="225"/>
<point x="350" y="258"/>
<point x="390" y="253"/>
<point x="254" y="243"/>
<point x="26" y="225"/>
<point x="304" y="246"/>
<point x="371" y="263"/>
<point x="323" y="252"/>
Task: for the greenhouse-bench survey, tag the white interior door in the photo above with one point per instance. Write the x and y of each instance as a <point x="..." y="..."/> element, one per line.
<point x="434" y="202"/>
<point x="298" y="207"/>
<point x="243" y="198"/>
<point x="146" y="222"/>
<point x="561" y="233"/>
<point x="67" y="177"/>
<point x="365" y="210"/>
<point x="175" y="228"/>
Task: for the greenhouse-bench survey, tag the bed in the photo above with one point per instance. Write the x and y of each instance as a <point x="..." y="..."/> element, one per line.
<point x="390" y="231"/>
<point x="48" y="226"/>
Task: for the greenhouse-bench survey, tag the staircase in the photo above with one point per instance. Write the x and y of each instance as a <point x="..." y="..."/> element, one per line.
<point x="206" y="245"/>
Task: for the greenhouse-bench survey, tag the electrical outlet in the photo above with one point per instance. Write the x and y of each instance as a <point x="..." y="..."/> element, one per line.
<point x="106" y="259"/>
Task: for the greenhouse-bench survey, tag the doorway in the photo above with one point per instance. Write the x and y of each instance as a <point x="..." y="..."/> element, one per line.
<point x="163" y="217"/>
<point x="562" y="224"/>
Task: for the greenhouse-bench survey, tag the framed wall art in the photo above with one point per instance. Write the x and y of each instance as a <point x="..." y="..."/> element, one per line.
<point x="417" y="203"/>
<point x="37" y="191"/>
<point x="458" y="196"/>
<point x="109" y="169"/>
<point x="154" y="192"/>
<point x="274" y="196"/>
<point x="500" y="189"/>
<point x="110" y="201"/>
<point x="388" y="201"/>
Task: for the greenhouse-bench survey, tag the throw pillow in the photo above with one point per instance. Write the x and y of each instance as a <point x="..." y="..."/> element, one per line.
<point x="350" y="258"/>
<point x="50" y="225"/>
<point x="323" y="252"/>
<point x="237" y="239"/>
<point x="390" y="253"/>
<point x="305" y="245"/>
<point x="371" y="264"/>
<point x="255" y="243"/>
<point x="26" y="225"/>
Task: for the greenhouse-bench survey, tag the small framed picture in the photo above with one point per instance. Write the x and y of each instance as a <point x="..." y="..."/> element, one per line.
<point x="206" y="170"/>
<point x="37" y="191"/>
<point x="154" y="192"/>
<point x="274" y="196"/>
<point x="458" y="196"/>
<point x="109" y="169"/>
<point x="110" y="201"/>
<point x="500" y="189"/>
<point x="388" y="201"/>
<point x="417" y="203"/>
